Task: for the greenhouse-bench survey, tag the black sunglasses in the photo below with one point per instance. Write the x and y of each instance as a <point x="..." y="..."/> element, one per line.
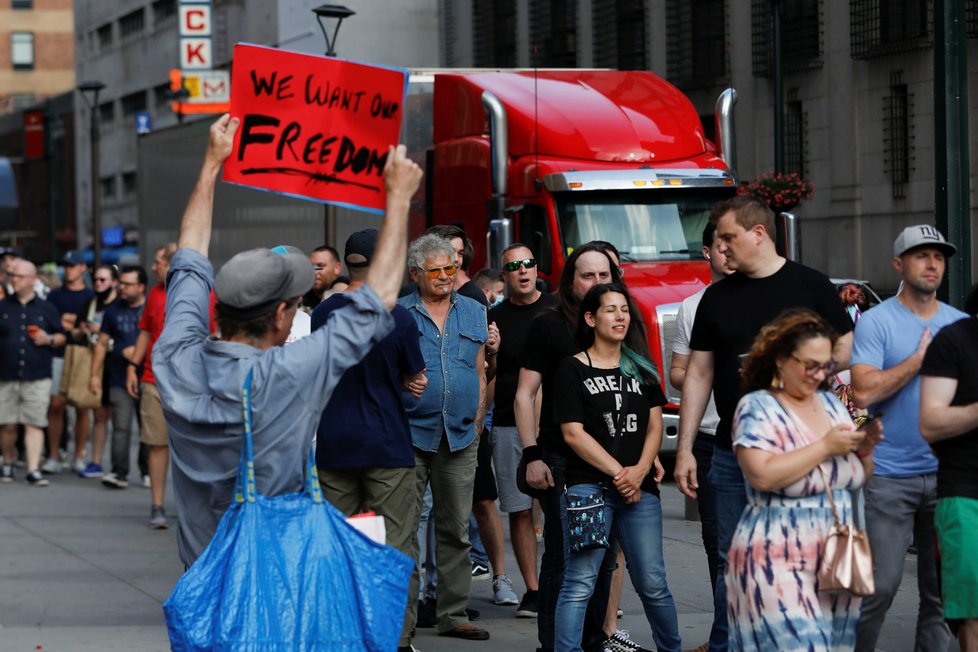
<point x="529" y="263"/>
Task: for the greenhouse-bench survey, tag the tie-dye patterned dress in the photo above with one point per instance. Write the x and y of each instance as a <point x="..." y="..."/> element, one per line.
<point x="773" y="602"/>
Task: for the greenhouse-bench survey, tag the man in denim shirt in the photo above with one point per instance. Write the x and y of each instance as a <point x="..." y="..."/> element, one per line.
<point x="200" y="378"/>
<point x="446" y="419"/>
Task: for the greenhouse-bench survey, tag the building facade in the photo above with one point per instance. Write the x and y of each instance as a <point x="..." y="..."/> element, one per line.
<point x="36" y="51"/>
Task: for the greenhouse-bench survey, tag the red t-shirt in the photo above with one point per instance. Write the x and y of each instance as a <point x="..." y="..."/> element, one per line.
<point x="154" y="315"/>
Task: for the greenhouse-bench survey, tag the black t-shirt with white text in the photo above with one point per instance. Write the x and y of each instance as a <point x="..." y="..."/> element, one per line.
<point x="513" y="321"/>
<point x="735" y="308"/>
<point x="954" y="354"/>
<point x="549" y="341"/>
<point x="593" y="397"/>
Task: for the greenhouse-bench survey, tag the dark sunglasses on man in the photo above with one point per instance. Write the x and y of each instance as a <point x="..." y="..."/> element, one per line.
<point x="513" y="266"/>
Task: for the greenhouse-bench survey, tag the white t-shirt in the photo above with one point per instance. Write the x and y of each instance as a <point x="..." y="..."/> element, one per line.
<point x="680" y="345"/>
<point x="301" y="326"/>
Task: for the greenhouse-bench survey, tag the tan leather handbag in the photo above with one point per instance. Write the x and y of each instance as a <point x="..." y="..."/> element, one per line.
<point x="74" y="379"/>
<point x="847" y="558"/>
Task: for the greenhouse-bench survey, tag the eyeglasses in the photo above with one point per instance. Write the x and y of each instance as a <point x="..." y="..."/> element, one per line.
<point x="513" y="266"/>
<point x="435" y="272"/>
<point x="102" y="280"/>
<point x="812" y="367"/>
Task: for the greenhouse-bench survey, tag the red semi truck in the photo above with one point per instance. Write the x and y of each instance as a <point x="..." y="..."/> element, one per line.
<point x="555" y="159"/>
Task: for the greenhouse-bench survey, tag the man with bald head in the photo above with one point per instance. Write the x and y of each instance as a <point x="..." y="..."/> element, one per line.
<point x="29" y="328"/>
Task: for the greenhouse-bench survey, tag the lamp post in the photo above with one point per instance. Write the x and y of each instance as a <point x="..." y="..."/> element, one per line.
<point x="90" y="91"/>
<point x="323" y="14"/>
<point x="336" y="12"/>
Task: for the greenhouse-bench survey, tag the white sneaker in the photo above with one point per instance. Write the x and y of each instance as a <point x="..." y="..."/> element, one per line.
<point x="146" y="483"/>
<point x="502" y="591"/>
<point x="79" y="465"/>
<point x="622" y="642"/>
<point x="51" y="466"/>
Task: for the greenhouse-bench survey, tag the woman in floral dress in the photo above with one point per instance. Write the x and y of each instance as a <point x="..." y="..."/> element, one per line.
<point x="788" y="431"/>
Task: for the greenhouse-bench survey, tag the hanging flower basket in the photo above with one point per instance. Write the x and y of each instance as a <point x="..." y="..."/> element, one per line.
<point x="781" y="192"/>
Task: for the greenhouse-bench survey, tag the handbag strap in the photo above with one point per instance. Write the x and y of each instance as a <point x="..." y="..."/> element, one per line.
<point x="829" y="492"/>
<point x="244" y="486"/>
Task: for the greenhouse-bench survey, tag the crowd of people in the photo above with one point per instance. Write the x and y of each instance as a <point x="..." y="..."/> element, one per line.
<point x="439" y="404"/>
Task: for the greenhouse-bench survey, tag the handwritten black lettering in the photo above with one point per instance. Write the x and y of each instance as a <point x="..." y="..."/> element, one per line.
<point x="283" y="88"/>
<point x="381" y="107"/>
<point x="251" y="122"/>
<point x="289" y="136"/>
<point x="263" y="85"/>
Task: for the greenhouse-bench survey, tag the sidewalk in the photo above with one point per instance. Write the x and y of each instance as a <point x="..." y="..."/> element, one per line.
<point x="81" y="572"/>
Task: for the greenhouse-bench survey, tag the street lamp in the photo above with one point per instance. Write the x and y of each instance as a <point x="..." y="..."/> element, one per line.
<point x="90" y="91"/>
<point x="337" y="12"/>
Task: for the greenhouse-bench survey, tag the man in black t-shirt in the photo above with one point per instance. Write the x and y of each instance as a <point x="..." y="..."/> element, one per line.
<point x="549" y="341"/>
<point x="513" y="317"/>
<point x="949" y="421"/>
<point x="733" y="310"/>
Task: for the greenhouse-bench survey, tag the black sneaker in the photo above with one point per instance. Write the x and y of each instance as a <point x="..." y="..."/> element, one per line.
<point x="479" y="572"/>
<point x="35" y="479"/>
<point x="7" y="473"/>
<point x="426" y="614"/>
<point x="528" y="605"/>
<point x="622" y="642"/>
<point x="114" y="481"/>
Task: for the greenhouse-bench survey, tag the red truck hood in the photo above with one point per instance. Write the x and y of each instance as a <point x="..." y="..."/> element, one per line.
<point x="654" y="284"/>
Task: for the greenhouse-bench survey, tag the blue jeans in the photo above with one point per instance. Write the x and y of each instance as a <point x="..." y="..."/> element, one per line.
<point x="553" y="563"/>
<point x="638" y="530"/>
<point x="705" y="502"/>
<point x="478" y="553"/>
<point x="730" y="499"/>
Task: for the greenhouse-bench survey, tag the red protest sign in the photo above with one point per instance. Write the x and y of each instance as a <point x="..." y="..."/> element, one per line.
<point x="314" y="127"/>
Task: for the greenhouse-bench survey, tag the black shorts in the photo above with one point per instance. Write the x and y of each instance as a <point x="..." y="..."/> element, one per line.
<point x="485" y="479"/>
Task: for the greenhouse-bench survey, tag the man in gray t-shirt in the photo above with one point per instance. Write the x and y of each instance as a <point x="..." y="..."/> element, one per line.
<point x="258" y="292"/>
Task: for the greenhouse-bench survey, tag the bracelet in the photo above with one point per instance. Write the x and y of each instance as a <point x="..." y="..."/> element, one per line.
<point x="532" y="453"/>
<point x="863" y="455"/>
<point x="132" y="363"/>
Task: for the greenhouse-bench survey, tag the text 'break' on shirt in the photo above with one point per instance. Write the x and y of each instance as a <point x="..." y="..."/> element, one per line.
<point x="364" y="424"/>
<point x="886" y="336"/>
<point x="735" y="308"/>
<point x="200" y="379"/>
<point x="549" y="341"/>
<point x="120" y="322"/>
<point x="513" y="321"/>
<point x="954" y="354"/>
<point x="593" y="397"/>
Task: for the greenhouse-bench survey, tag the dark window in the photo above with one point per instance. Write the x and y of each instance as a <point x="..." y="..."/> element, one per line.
<point x="619" y="34"/>
<point x="553" y="34"/>
<point x="494" y="41"/>
<point x="134" y="103"/>
<point x="107" y="184"/>
<point x="971" y="18"/>
<point x="898" y="134"/>
<point x="131" y="25"/>
<point x="22" y="50"/>
<point x="696" y="42"/>
<point x="104" y="35"/>
<point x="163" y="10"/>
<point x="535" y="235"/>
<point x="795" y="126"/>
<point x="879" y="28"/>
<point x="128" y="185"/>
<point x="106" y="112"/>
<point x="22" y="4"/>
<point x="801" y="29"/>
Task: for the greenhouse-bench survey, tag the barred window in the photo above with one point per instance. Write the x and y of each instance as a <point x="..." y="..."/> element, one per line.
<point x="795" y="128"/>
<point x="801" y="36"/>
<point x="104" y="35"/>
<point x="620" y="34"/>
<point x="553" y="33"/>
<point x="106" y="112"/>
<point x="898" y="134"/>
<point x="696" y="42"/>
<point x="134" y="103"/>
<point x="495" y="34"/>
<point x="882" y="28"/>
<point x="163" y="10"/>
<point x="131" y="25"/>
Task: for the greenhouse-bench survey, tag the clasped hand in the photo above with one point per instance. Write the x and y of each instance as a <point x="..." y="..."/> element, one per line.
<point x="628" y="482"/>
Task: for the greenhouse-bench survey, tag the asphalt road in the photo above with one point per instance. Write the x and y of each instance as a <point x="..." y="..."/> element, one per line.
<point x="80" y="571"/>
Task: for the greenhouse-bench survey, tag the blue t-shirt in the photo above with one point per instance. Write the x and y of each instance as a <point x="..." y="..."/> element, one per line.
<point x="364" y="424"/>
<point x="886" y="336"/>
<point x="120" y="322"/>
<point x="68" y="302"/>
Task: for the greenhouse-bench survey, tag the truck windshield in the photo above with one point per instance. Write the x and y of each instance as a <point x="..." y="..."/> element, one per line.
<point x="645" y="225"/>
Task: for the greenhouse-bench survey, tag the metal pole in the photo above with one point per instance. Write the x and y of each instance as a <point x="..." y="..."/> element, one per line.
<point x="49" y="156"/>
<point x="96" y="187"/>
<point x="952" y="201"/>
<point x="778" y="91"/>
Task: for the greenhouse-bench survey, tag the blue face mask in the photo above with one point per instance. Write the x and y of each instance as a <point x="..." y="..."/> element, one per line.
<point x="499" y="300"/>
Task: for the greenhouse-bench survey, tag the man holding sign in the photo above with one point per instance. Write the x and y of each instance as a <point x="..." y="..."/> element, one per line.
<point x="258" y="291"/>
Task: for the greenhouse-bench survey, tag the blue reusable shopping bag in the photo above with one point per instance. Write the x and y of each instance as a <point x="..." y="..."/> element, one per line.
<point x="288" y="573"/>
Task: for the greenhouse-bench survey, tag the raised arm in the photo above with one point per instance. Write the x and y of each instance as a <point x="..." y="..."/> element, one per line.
<point x="401" y="177"/>
<point x="195" y="228"/>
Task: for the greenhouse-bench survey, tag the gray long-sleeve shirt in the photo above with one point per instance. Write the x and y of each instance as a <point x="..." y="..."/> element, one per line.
<point x="200" y="379"/>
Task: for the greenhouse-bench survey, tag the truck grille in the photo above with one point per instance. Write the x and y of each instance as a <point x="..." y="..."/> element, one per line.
<point x="666" y="316"/>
